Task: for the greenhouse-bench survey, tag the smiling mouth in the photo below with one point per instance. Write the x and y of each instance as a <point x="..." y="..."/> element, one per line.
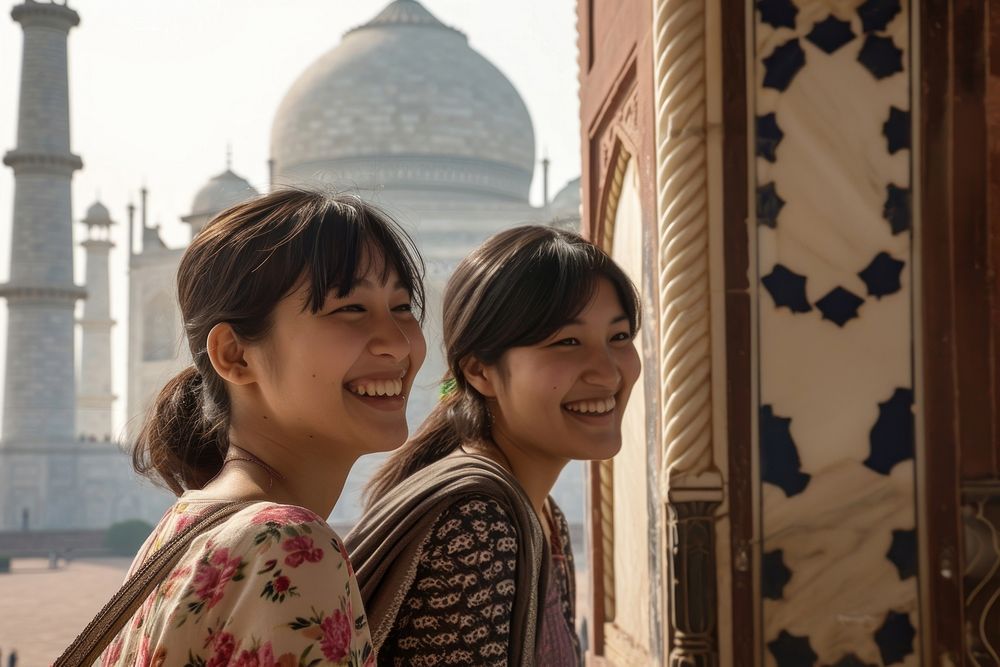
<point x="377" y="388"/>
<point x="595" y="407"/>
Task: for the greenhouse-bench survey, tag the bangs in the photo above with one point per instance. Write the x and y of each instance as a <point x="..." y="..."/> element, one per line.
<point x="339" y="241"/>
<point x="557" y="281"/>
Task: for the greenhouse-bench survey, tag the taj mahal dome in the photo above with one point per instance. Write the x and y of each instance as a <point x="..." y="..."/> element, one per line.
<point x="402" y="111"/>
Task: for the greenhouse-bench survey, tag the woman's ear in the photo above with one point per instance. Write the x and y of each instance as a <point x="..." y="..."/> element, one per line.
<point x="228" y="355"/>
<point x="480" y="376"/>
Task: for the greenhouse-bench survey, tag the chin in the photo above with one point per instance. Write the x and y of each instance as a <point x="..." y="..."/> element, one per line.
<point x="605" y="451"/>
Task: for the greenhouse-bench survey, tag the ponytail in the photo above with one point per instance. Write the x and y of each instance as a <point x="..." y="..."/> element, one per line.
<point x="236" y="270"/>
<point x="183" y="440"/>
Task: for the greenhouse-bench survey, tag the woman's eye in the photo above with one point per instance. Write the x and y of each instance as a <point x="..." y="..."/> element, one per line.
<point x="621" y="336"/>
<point x="404" y="308"/>
<point x="352" y="308"/>
<point x="566" y="342"/>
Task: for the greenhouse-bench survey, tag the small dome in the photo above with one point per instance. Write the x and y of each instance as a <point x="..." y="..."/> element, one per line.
<point x="404" y="103"/>
<point x="220" y="193"/>
<point x="567" y="200"/>
<point x="98" y="214"/>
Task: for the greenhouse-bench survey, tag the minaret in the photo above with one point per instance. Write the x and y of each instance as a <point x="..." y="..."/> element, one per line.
<point x="545" y="180"/>
<point x="95" y="398"/>
<point x="39" y="395"/>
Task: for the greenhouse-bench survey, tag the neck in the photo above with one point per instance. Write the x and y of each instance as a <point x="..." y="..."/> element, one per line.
<point x="536" y="472"/>
<point x="281" y="473"/>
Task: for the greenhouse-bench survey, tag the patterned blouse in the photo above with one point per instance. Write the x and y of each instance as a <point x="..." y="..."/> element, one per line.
<point x="458" y="609"/>
<point x="270" y="586"/>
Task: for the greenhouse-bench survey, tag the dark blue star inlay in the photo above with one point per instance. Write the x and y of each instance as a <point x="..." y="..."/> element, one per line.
<point x="775" y="575"/>
<point x="769" y="204"/>
<point x="851" y="660"/>
<point x="791" y="651"/>
<point x="769" y="135"/>
<point x="831" y="33"/>
<point x="897" y="130"/>
<point x="840" y="306"/>
<point x="777" y="13"/>
<point x="882" y="275"/>
<point x="897" y="208"/>
<point x="903" y="553"/>
<point x="787" y="288"/>
<point x="895" y="638"/>
<point x="779" y="457"/>
<point x="891" y="438"/>
<point x="880" y="56"/>
<point x="783" y="64"/>
<point x="876" y="14"/>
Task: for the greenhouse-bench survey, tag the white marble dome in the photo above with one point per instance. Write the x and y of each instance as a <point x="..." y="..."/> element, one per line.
<point x="220" y="193"/>
<point x="98" y="214"/>
<point x="403" y="103"/>
<point x="567" y="200"/>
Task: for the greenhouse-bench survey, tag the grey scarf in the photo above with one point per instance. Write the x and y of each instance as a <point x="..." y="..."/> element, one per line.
<point x="387" y="543"/>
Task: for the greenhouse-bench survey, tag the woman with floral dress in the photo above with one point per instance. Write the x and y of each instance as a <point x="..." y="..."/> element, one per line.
<point x="462" y="556"/>
<point x="301" y="314"/>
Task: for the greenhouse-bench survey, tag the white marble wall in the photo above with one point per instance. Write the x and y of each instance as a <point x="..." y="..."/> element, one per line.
<point x="832" y="95"/>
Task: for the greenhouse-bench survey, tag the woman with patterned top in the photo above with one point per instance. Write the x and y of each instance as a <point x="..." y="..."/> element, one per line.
<point x="300" y="313"/>
<point x="462" y="556"/>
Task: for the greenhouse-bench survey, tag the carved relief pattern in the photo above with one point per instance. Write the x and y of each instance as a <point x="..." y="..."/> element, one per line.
<point x="607" y="517"/>
<point x="981" y="517"/>
<point x="681" y="158"/>
<point x="624" y="124"/>
<point x="692" y="569"/>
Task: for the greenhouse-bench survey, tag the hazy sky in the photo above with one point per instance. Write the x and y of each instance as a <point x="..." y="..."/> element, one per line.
<point x="158" y="90"/>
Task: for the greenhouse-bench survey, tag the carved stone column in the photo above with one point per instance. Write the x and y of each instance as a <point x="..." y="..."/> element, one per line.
<point x="981" y="575"/>
<point x="692" y="483"/>
<point x="693" y="590"/>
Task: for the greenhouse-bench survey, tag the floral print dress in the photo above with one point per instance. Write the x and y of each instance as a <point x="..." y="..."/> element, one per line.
<point x="270" y="586"/>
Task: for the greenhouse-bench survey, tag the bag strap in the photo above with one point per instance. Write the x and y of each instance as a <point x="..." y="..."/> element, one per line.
<point x="89" y="645"/>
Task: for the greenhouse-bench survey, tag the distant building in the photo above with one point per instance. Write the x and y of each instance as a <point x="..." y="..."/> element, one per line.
<point x="402" y="111"/>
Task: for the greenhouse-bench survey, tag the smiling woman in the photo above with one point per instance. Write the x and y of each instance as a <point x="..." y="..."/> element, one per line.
<point x="461" y="551"/>
<point x="301" y="311"/>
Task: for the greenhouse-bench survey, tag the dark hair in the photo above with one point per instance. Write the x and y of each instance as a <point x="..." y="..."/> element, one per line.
<point x="516" y="289"/>
<point x="236" y="270"/>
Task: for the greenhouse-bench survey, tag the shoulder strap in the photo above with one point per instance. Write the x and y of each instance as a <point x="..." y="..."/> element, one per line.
<point x="89" y="645"/>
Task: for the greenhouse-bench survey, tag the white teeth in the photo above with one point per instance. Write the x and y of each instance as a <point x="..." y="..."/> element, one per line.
<point x="597" y="406"/>
<point x="377" y="388"/>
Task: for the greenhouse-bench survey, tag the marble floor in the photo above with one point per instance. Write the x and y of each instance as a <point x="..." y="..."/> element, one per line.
<point x="42" y="610"/>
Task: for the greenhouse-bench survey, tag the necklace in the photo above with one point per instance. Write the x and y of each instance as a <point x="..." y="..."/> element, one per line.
<point x="272" y="474"/>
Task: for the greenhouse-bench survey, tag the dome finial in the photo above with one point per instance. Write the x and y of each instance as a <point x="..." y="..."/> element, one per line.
<point x="404" y="13"/>
<point x="229" y="156"/>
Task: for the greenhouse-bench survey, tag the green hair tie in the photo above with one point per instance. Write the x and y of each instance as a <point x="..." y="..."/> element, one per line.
<point x="448" y="388"/>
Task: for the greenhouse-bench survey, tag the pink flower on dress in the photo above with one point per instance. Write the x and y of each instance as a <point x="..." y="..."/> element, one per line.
<point x="167" y="589"/>
<point x="113" y="653"/>
<point x="301" y="549"/>
<point x="223" y="645"/>
<point x="336" y="635"/>
<point x="262" y="657"/>
<point x="281" y="584"/>
<point x="144" y="658"/>
<point x="212" y="575"/>
<point x="185" y="521"/>
<point x="284" y="515"/>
